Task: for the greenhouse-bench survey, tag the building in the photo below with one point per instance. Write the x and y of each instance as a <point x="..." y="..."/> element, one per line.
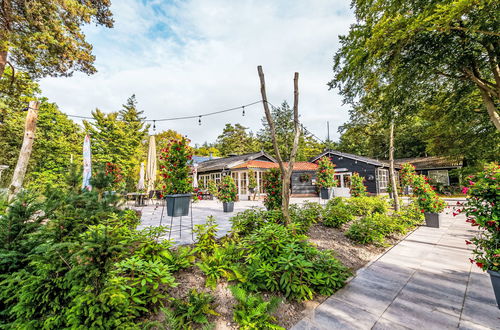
<point x="375" y="172"/>
<point x="437" y="168"/>
<point x="238" y="166"/>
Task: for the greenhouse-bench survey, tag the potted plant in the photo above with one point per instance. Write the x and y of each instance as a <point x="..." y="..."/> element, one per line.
<point x="252" y="181"/>
<point x="357" y="187"/>
<point x="227" y="193"/>
<point x="272" y="188"/>
<point x="174" y="168"/>
<point x="482" y="210"/>
<point x="212" y="189"/>
<point x="325" y="177"/>
<point x="428" y="201"/>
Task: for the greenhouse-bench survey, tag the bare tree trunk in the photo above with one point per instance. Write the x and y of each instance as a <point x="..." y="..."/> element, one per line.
<point x="3" y="62"/>
<point x="391" y="172"/>
<point x="25" y="153"/>
<point x="490" y="107"/>
<point x="286" y="173"/>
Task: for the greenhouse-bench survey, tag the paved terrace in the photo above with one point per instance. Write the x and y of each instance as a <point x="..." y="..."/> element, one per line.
<point x="424" y="282"/>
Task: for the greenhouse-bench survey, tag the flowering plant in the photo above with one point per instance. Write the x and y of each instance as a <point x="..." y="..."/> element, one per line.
<point x="108" y="175"/>
<point x="174" y="167"/>
<point x="326" y="173"/>
<point x="482" y="210"/>
<point x="252" y="180"/>
<point x="427" y="199"/>
<point x="227" y="189"/>
<point x="357" y="187"/>
<point x="212" y="188"/>
<point x="272" y="188"/>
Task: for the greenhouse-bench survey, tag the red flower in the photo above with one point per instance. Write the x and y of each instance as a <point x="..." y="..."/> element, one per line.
<point x="471" y="260"/>
<point x="467" y="242"/>
<point x="480" y="264"/>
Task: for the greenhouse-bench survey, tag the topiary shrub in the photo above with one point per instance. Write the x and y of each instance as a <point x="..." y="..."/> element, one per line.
<point x="227" y="190"/>
<point x="358" y="189"/>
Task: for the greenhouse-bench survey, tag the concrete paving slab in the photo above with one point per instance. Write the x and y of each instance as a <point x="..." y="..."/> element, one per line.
<point x="482" y="314"/>
<point x="337" y="314"/>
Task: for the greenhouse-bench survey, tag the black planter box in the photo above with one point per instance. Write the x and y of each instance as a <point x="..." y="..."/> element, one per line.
<point x="326" y="193"/>
<point x="178" y="204"/>
<point x="432" y="219"/>
<point x="495" y="282"/>
<point x="228" y="206"/>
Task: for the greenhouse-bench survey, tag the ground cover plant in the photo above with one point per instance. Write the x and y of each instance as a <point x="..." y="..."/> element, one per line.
<point x="365" y="205"/>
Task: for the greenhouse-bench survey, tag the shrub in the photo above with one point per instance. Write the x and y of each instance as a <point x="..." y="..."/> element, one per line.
<point x="191" y="313"/>
<point x="247" y="221"/>
<point x="220" y="264"/>
<point x="373" y="228"/>
<point x="272" y="188"/>
<point x="427" y="199"/>
<point x="174" y="167"/>
<point x="252" y="311"/>
<point x="304" y="216"/>
<point x="366" y="205"/>
<point x="336" y="215"/>
<point x="482" y="210"/>
<point x="409" y="216"/>
<point x="326" y="173"/>
<point x="357" y="187"/>
<point x="281" y="262"/>
<point x="227" y="190"/>
<point x="206" y="233"/>
<point x="212" y="188"/>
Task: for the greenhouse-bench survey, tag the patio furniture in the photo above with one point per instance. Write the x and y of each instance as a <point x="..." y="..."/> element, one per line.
<point x="139" y="198"/>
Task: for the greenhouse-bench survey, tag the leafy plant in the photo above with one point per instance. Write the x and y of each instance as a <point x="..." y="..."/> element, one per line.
<point x="365" y="205"/>
<point x="482" y="210"/>
<point x="279" y="261"/>
<point x="212" y="188"/>
<point x="357" y="187"/>
<point x="193" y="312"/>
<point x="247" y="221"/>
<point x="174" y="166"/>
<point x="374" y="228"/>
<point x="335" y="215"/>
<point x="252" y="180"/>
<point x="206" y="233"/>
<point x="227" y="190"/>
<point x="272" y="188"/>
<point x="306" y="215"/>
<point x="252" y="311"/>
<point x="326" y="173"/>
<point x="220" y="264"/>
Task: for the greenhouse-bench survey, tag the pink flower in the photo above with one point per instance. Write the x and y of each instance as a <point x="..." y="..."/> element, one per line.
<point x="465" y="190"/>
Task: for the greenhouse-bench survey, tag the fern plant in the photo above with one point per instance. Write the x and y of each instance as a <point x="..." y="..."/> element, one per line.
<point x="253" y="312"/>
<point x="193" y="312"/>
<point x="206" y="233"/>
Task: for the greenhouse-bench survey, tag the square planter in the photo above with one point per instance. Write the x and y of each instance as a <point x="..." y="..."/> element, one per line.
<point x="326" y="193"/>
<point x="432" y="219"/>
<point x="178" y="204"/>
<point x="495" y="282"/>
<point x="228" y="206"/>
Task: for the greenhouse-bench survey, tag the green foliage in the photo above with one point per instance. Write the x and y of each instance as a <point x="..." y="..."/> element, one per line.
<point x="212" y="188"/>
<point x="427" y="199"/>
<point x="247" y="221"/>
<point x="236" y="140"/>
<point x="191" y="313"/>
<point x="366" y="205"/>
<point x="410" y="216"/>
<point x="252" y="311"/>
<point x="306" y="215"/>
<point x="272" y="188"/>
<point x="180" y="258"/>
<point x="279" y="261"/>
<point x="374" y="228"/>
<point x="174" y="167"/>
<point x="222" y="263"/>
<point x="326" y="173"/>
<point x="206" y="241"/>
<point x="337" y="213"/>
<point x="252" y="180"/>
<point x="45" y="37"/>
<point x="227" y="190"/>
<point x="357" y="187"/>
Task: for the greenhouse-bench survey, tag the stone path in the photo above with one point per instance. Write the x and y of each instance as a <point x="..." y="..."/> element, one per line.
<point x="424" y="282"/>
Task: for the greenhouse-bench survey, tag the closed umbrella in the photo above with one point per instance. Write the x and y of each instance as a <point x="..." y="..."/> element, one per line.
<point x="195" y="175"/>
<point x="151" y="167"/>
<point x="140" y="184"/>
<point x="87" y="164"/>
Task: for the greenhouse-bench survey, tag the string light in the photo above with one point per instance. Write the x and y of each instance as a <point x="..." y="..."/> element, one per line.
<point x="154" y="125"/>
<point x="243" y="107"/>
<point x="199" y="121"/>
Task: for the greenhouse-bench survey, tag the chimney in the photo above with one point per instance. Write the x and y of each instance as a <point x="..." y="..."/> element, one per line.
<point x="211" y="155"/>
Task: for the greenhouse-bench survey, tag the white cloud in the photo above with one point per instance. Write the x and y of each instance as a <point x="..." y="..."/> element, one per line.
<point x="198" y="56"/>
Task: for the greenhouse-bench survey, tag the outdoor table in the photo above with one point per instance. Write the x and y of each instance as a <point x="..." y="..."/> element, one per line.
<point x="139" y="198"/>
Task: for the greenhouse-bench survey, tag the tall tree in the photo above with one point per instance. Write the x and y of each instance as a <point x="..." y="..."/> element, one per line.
<point x="44" y="38"/>
<point x="404" y="51"/>
<point x="236" y="140"/>
<point x="119" y="138"/>
<point x="284" y="124"/>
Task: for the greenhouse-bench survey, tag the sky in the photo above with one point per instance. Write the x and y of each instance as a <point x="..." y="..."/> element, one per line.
<point x="191" y="57"/>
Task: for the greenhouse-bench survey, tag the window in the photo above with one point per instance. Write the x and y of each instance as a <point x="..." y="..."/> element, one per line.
<point x="439" y="176"/>
<point x="383" y="179"/>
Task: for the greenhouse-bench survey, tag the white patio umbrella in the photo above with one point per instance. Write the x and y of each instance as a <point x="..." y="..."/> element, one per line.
<point x="151" y="166"/>
<point x="87" y="164"/>
<point x="195" y="175"/>
<point x="140" y="184"/>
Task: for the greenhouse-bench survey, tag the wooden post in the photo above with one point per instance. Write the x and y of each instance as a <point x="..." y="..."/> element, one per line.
<point x="25" y="153"/>
<point x="391" y="171"/>
<point x="286" y="173"/>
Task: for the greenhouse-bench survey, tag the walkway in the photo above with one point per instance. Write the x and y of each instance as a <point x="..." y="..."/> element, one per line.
<point x="424" y="282"/>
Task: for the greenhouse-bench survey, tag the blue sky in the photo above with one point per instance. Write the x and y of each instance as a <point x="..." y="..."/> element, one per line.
<point x="195" y="56"/>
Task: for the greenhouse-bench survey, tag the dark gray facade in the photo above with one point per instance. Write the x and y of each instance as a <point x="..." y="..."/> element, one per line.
<point x="301" y="185"/>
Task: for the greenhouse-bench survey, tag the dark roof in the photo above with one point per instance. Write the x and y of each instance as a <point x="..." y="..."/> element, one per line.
<point x="201" y="159"/>
<point x="429" y="163"/>
<point x="229" y="162"/>
<point x="351" y="156"/>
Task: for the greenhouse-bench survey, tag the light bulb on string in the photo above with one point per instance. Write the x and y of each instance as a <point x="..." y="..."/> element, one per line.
<point x="243" y="107"/>
<point x="154" y="125"/>
<point x="199" y="120"/>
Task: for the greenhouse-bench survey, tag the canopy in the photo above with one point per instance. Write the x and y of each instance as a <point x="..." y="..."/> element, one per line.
<point x="140" y="184"/>
<point x="151" y="167"/>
